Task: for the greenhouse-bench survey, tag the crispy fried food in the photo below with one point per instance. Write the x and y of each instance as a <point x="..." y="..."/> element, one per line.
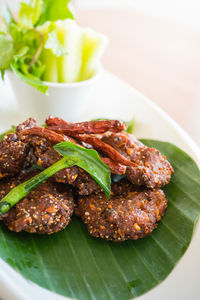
<point x="100" y="126"/>
<point x="121" y="152"/>
<point x="105" y="148"/>
<point x="42" y="141"/>
<point x="130" y="213"/>
<point x="45" y="210"/>
<point x="115" y="167"/>
<point x="80" y="179"/>
<point x="14" y="153"/>
<point x="46" y="156"/>
<point x="151" y="168"/>
<point x="84" y="184"/>
<point x="55" y="138"/>
<point x="49" y="135"/>
<point x="29" y="123"/>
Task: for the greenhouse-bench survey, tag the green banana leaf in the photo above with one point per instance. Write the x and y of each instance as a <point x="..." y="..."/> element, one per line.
<point x="76" y="265"/>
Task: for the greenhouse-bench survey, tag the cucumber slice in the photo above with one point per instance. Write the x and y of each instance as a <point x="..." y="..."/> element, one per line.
<point x="47" y="57"/>
<point x="84" y="50"/>
<point x="51" y="70"/>
<point x="69" y="66"/>
<point x="94" y="45"/>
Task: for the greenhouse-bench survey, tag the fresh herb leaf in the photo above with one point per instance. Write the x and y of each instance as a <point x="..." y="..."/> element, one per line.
<point x="38" y="69"/>
<point x="54" y="44"/>
<point x="90" y="161"/>
<point x="16" y="33"/>
<point x="29" y="14"/>
<point x="25" y="38"/>
<point x="28" y="78"/>
<point x="20" y="191"/>
<point x="23" y="51"/>
<point x="22" y="42"/>
<point x="86" y="159"/>
<point x="37" y="12"/>
<point x="55" y="10"/>
<point x="28" y="44"/>
<point x="6" y="52"/>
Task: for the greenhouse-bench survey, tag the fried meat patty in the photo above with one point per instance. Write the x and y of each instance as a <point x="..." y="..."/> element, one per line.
<point x="152" y="168"/>
<point x="77" y="177"/>
<point x="130" y="213"/>
<point x="45" y="210"/>
<point x="15" y="155"/>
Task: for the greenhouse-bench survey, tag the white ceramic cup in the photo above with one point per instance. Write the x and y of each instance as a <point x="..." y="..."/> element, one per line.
<point x="64" y="100"/>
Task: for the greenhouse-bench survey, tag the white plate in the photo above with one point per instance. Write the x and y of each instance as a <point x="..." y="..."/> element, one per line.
<point x="115" y="99"/>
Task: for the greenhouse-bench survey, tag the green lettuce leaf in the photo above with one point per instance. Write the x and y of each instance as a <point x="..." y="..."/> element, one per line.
<point x="25" y="37"/>
<point x="28" y="78"/>
<point x="21" y="42"/>
<point x="6" y="52"/>
<point x="37" y="12"/>
<point x="27" y="44"/>
<point x="29" y="14"/>
<point x="55" y="10"/>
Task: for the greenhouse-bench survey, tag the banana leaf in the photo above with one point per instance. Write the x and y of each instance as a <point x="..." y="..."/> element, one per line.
<point x="78" y="266"/>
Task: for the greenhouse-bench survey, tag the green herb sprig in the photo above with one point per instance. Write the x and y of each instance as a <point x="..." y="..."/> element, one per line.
<point x="86" y="159"/>
<point x="21" y="40"/>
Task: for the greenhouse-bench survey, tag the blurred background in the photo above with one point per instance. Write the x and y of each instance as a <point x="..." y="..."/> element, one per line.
<point x="155" y="47"/>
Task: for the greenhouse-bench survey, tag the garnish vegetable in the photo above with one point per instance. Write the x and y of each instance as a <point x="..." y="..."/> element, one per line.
<point x="73" y="154"/>
<point x="44" y="43"/>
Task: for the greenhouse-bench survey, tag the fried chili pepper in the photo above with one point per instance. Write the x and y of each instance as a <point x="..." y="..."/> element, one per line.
<point x="91" y="127"/>
<point x="115" y="168"/>
<point x="55" y="138"/>
<point x="98" y="144"/>
<point x="49" y="135"/>
<point x="51" y="121"/>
